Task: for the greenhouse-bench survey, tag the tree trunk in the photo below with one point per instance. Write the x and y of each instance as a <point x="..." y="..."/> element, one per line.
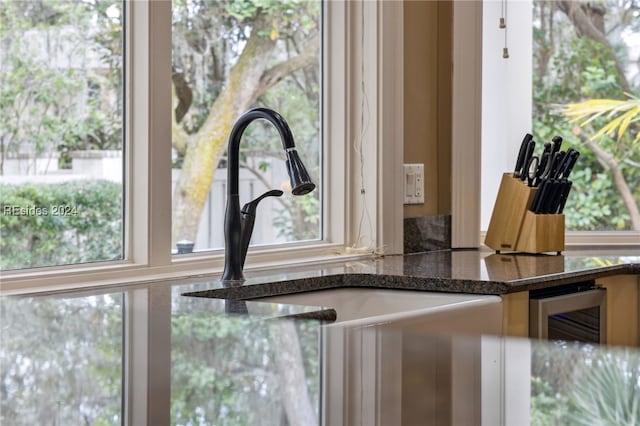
<point x="546" y="47"/>
<point x="293" y="387"/>
<point x="608" y="161"/>
<point x="247" y="81"/>
<point x="205" y="147"/>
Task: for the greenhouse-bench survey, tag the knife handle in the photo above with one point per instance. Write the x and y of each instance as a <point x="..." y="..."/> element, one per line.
<point x="557" y="143"/>
<point x="551" y="198"/>
<point x="546" y="174"/>
<point x="521" y="155"/>
<point x="569" y="163"/>
<point x="528" y="156"/>
<point x="558" y="159"/>
<point x="565" y="194"/>
<point x="542" y="165"/>
<point x="539" y="196"/>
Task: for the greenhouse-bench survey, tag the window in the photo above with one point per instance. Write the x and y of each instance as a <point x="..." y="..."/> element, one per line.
<point x="352" y="183"/>
<point x="564" y="64"/>
<point x="61" y="136"/>
<point x="227" y="58"/>
<point x="509" y="110"/>
<point x="572" y="66"/>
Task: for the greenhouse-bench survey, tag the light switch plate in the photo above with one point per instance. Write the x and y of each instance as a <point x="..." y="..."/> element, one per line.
<point x="414" y="183"/>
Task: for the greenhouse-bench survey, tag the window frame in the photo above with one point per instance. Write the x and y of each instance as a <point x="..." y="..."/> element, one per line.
<point x="365" y="46"/>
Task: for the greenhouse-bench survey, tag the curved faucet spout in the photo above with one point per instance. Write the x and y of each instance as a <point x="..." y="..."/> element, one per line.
<point x="236" y="232"/>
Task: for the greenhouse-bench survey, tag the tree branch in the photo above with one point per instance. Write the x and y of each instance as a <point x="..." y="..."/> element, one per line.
<point x="276" y="73"/>
<point x="184" y="94"/>
<point x="295" y="394"/>
<point x="609" y="162"/>
<point x="179" y="138"/>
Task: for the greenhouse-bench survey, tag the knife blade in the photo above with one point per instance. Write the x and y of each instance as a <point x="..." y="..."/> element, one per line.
<point x="521" y="154"/>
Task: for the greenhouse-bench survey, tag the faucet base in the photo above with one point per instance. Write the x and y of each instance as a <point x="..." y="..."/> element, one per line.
<point x="226" y="283"/>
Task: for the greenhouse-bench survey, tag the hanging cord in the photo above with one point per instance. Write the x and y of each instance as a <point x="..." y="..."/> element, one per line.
<point x="503" y="25"/>
<point x="359" y="245"/>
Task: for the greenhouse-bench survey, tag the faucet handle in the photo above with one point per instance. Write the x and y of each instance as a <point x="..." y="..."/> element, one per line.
<point x="250" y="207"/>
<point x="248" y="219"/>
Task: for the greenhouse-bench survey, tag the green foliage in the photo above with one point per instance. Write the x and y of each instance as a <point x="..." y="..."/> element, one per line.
<point x="61" y="360"/>
<point x="209" y="35"/>
<point x="99" y="131"/>
<point x="64" y="106"/>
<point x="285" y="16"/>
<point x="297" y="98"/>
<point x="222" y="364"/>
<point x="300" y="221"/>
<point x="548" y="407"/>
<point x="203" y="346"/>
<point x="610" y="393"/>
<point x="585" y="209"/>
<point x="570" y="68"/>
<point x="580" y="384"/>
<point x="54" y="224"/>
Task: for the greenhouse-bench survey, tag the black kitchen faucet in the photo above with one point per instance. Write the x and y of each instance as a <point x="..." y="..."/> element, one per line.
<point x="238" y="224"/>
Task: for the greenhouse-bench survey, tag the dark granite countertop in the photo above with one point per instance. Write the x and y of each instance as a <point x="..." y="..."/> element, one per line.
<point x="453" y="271"/>
<point x="149" y="356"/>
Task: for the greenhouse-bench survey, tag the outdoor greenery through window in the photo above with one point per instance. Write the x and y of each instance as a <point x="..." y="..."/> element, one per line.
<point x="575" y="383"/>
<point x="230" y="56"/>
<point x="223" y="364"/>
<point x="61" y="133"/>
<point x="64" y="364"/>
<point x="586" y="87"/>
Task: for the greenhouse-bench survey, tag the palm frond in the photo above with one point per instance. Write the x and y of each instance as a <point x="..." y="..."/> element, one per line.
<point x="620" y="113"/>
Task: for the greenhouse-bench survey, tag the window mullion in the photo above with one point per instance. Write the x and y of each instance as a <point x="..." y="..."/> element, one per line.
<point x="159" y="130"/>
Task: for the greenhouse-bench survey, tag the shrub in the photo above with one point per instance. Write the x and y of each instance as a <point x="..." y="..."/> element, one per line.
<point x="54" y="224"/>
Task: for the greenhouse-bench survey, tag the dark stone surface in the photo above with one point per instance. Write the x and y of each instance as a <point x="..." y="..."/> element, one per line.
<point x="464" y="271"/>
<point x="427" y="233"/>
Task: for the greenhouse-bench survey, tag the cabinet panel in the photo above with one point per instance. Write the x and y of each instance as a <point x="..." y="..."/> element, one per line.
<point x="623" y="301"/>
<point x="516" y="314"/>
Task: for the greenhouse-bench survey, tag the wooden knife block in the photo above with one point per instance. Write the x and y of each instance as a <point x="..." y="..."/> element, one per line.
<point x="513" y="227"/>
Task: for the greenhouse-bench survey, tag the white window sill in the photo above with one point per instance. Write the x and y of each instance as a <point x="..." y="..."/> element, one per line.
<point x="98" y="275"/>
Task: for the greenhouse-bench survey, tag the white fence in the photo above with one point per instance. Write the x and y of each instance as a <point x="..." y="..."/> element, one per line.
<point x="108" y="165"/>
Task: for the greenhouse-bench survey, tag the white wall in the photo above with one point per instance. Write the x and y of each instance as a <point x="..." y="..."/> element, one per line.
<point x="506" y="94"/>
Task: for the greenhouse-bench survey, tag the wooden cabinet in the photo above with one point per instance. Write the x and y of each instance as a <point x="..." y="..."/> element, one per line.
<point x="623" y="303"/>
<point x="515" y="311"/>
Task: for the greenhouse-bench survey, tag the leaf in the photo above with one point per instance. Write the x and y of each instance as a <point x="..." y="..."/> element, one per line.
<point x="621" y="114"/>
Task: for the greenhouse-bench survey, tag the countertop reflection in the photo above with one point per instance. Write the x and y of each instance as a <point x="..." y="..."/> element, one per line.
<point x="147" y="354"/>
<point x="151" y="356"/>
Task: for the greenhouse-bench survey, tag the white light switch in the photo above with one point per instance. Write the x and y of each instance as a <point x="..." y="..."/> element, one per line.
<point x="414" y="183"/>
